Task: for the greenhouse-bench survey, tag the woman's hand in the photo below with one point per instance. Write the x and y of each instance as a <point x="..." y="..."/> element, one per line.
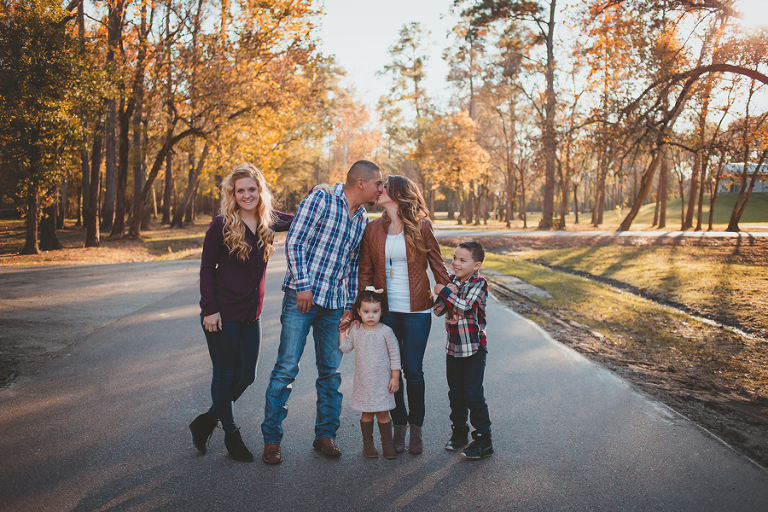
<point x="324" y="187"/>
<point x="212" y="323"/>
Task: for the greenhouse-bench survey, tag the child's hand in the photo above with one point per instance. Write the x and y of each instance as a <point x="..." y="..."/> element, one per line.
<point x="452" y="287"/>
<point x="453" y="320"/>
<point x="438" y="288"/>
<point x="394" y="384"/>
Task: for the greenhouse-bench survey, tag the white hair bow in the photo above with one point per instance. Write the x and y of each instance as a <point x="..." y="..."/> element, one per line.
<point x="374" y="290"/>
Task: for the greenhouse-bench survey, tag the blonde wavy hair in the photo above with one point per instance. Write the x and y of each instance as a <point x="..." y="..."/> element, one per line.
<point x="411" y="210"/>
<point x="234" y="227"/>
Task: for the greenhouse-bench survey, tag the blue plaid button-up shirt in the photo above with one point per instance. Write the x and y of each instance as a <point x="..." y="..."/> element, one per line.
<point x="323" y="248"/>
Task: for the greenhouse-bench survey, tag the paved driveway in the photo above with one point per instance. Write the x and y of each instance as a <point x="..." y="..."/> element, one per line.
<point x="103" y="425"/>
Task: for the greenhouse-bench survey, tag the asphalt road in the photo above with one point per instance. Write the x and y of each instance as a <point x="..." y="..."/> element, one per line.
<point x="103" y="425"/>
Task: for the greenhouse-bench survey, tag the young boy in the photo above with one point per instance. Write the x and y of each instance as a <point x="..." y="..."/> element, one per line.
<point x="464" y="301"/>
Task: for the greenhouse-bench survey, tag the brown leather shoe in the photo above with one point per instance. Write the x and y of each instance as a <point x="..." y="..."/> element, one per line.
<point x="272" y="454"/>
<point x="327" y="445"/>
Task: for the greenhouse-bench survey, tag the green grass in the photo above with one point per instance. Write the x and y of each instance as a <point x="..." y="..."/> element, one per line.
<point x="640" y="329"/>
<point x="755" y="216"/>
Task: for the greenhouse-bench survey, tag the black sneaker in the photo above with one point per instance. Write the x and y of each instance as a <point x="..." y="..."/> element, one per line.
<point x="236" y="448"/>
<point x="202" y="429"/>
<point x="459" y="439"/>
<point x="480" y="448"/>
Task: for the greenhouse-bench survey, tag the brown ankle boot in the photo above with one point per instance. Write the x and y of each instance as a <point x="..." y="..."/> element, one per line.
<point x="398" y="439"/>
<point x="416" y="445"/>
<point x="369" y="449"/>
<point x="386" y="440"/>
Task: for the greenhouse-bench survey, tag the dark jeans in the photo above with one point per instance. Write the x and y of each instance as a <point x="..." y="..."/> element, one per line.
<point x="465" y="392"/>
<point x="234" y="351"/>
<point x="293" y="337"/>
<point x="412" y="332"/>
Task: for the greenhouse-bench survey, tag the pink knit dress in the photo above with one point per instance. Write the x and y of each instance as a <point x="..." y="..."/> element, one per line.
<point x="377" y="353"/>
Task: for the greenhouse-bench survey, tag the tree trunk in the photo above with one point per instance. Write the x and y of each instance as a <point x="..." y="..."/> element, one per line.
<point x="167" y="190"/>
<point x="702" y="188"/>
<point x="646" y="184"/>
<point x="576" y="203"/>
<point x="114" y="36"/>
<point x="550" y="140"/>
<point x="62" y="213"/>
<point x="599" y="206"/>
<point x="194" y="178"/>
<point x="48" y="239"/>
<point x="110" y="177"/>
<point x="169" y="142"/>
<point x="31" y="245"/>
<point x="92" y="226"/>
<point x="662" y="199"/>
<point x="469" y="205"/>
<point x="85" y="169"/>
<point x="118" y="226"/>
<point x="744" y="193"/>
<point x="511" y="193"/>
<point x="692" y="193"/>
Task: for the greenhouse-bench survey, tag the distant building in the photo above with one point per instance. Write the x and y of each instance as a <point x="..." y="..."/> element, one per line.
<point x="731" y="178"/>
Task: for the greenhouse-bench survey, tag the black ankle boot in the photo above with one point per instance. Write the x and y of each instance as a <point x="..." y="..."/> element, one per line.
<point x="236" y="447"/>
<point x="202" y="429"/>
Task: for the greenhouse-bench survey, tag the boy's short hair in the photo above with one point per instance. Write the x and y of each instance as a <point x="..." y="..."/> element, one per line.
<point x="475" y="249"/>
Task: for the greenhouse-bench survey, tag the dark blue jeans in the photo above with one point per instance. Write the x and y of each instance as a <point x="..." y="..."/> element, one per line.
<point x="465" y="392"/>
<point x="234" y="351"/>
<point x="293" y="338"/>
<point x="412" y="332"/>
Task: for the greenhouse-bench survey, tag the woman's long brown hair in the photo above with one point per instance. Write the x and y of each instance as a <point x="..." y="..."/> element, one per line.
<point x="411" y="209"/>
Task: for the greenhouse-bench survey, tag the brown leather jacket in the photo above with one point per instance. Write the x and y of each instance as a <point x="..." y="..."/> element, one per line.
<point x="372" y="270"/>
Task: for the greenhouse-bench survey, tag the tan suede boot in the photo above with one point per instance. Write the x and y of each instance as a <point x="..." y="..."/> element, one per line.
<point x="416" y="445"/>
<point x="386" y="440"/>
<point x="369" y="449"/>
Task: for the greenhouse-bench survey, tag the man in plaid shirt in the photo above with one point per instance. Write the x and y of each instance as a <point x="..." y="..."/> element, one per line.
<point x="320" y="285"/>
<point x="463" y="299"/>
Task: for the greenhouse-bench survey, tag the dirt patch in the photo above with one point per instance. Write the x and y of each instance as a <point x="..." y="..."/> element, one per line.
<point x="696" y="379"/>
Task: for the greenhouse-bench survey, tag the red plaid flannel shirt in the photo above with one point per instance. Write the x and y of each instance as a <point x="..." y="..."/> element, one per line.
<point x="467" y="307"/>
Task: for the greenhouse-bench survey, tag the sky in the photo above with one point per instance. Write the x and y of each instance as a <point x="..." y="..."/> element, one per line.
<point x="360" y="32"/>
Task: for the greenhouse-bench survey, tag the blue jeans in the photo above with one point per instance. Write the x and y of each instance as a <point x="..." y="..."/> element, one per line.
<point x="465" y="392"/>
<point x="293" y="337"/>
<point x="412" y="332"/>
<point x="234" y="351"/>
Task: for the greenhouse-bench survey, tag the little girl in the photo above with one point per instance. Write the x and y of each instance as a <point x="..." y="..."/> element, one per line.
<point x="377" y="368"/>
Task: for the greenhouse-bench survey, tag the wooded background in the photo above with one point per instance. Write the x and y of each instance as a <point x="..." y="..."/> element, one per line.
<point x="118" y="112"/>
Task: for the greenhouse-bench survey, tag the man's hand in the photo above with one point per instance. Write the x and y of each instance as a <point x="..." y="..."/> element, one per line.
<point x="304" y="301"/>
<point x="345" y="319"/>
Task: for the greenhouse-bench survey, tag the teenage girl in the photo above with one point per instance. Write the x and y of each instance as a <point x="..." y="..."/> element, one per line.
<point x="236" y="250"/>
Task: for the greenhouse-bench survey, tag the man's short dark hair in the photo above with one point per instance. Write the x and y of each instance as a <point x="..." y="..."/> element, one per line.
<point x="361" y="169"/>
<point x="475" y="249"/>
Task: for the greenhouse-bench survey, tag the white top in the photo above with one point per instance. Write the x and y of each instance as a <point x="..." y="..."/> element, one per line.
<point x="396" y="266"/>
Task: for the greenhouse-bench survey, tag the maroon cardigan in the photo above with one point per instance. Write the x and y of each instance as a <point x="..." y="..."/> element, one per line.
<point x="228" y="285"/>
